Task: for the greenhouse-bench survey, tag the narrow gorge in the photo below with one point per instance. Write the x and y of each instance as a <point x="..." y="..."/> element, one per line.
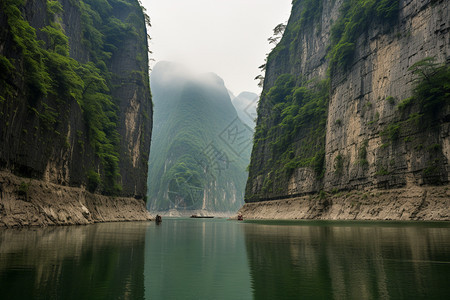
<point x="353" y="121"/>
<point x="200" y="146"/>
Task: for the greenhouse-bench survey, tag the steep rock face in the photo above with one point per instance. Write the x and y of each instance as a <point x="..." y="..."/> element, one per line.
<point x="200" y="147"/>
<point x="353" y="126"/>
<point x="75" y="101"/>
<point x="31" y="202"/>
<point x="378" y="81"/>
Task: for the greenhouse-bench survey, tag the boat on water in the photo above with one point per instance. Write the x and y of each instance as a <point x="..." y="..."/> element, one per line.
<point x="202" y="217"/>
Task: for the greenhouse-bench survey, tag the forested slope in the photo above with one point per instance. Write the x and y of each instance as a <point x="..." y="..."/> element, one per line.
<point x="200" y="148"/>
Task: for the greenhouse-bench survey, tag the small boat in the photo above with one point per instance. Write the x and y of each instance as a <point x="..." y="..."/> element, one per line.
<point x="158" y="219"/>
<point x="202" y="217"/>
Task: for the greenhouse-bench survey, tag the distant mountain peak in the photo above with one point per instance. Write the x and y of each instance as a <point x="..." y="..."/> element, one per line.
<point x="245" y="105"/>
<point x="211" y="78"/>
<point x="200" y="148"/>
<point x="248" y="95"/>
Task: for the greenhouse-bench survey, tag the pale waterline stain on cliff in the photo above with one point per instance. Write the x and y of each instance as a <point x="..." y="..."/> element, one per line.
<point x="416" y="203"/>
<point x="30" y="202"/>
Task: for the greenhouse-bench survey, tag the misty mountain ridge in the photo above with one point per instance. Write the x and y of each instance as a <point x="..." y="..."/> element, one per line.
<point x="246" y="104"/>
<point x="200" y="146"/>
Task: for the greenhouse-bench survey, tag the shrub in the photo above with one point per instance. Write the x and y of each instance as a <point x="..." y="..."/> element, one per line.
<point x="322" y="195"/>
<point x="392" y="131"/>
<point x="23" y="189"/>
<point x="382" y="171"/>
<point x="338" y="164"/>
<point x="432" y="90"/>
<point x="362" y="154"/>
<point x="93" y="181"/>
<point x="405" y="103"/>
<point x="391" y="100"/>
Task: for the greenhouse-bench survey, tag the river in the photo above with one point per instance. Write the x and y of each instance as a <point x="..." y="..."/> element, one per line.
<point x="220" y="259"/>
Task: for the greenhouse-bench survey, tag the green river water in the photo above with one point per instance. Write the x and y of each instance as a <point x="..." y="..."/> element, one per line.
<point x="220" y="259"/>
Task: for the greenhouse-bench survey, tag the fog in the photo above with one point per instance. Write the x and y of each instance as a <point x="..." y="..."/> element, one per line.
<point x="227" y="37"/>
<point x="170" y="72"/>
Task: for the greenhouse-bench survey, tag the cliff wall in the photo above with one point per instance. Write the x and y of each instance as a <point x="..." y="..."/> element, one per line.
<point x="342" y="108"/>
<point x="75" y="100"/>
<point x="85" y="110"/>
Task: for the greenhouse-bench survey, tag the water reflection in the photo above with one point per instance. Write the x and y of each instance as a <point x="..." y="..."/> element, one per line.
<point x="102" y="261"/>
<point x="348" y="261"/>
<point x="196" y="259"/>
<point x="218" y="259"/>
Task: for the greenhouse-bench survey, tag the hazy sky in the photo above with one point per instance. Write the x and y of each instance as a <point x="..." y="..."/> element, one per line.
<point x="227" y="37"/>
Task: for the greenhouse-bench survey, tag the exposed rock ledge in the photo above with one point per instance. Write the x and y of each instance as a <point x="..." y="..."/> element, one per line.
<point x="412" y="203"/>
<point x="38" y="203"/>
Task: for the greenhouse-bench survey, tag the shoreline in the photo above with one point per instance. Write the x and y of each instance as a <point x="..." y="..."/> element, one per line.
<point x="404" y="204"/>
<point x="188" y="213"/>
<point x="26" y="202"/>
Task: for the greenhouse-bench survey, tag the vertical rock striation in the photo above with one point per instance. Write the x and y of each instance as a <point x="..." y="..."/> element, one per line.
<point x="341" y="110"/>
<point x="75" y="100"/>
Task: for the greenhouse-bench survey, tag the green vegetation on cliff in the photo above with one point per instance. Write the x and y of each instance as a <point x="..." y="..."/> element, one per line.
<point x="423" y="112"/>
<point x="353" y="53"/>
<point x="200" y="148"/>
<point x="51" y="75"/>
<point x="432" y="91"/>
<point x="292" y="135"/>
<point x="37" y="78"/>
<point x="297" y="136"/>
<point x="354" y="19"/>
<point x="430" y="94"/>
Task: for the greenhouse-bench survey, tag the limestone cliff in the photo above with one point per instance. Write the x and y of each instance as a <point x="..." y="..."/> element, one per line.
<point x="343" y="106"/>
<point x="75" y="101"/>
